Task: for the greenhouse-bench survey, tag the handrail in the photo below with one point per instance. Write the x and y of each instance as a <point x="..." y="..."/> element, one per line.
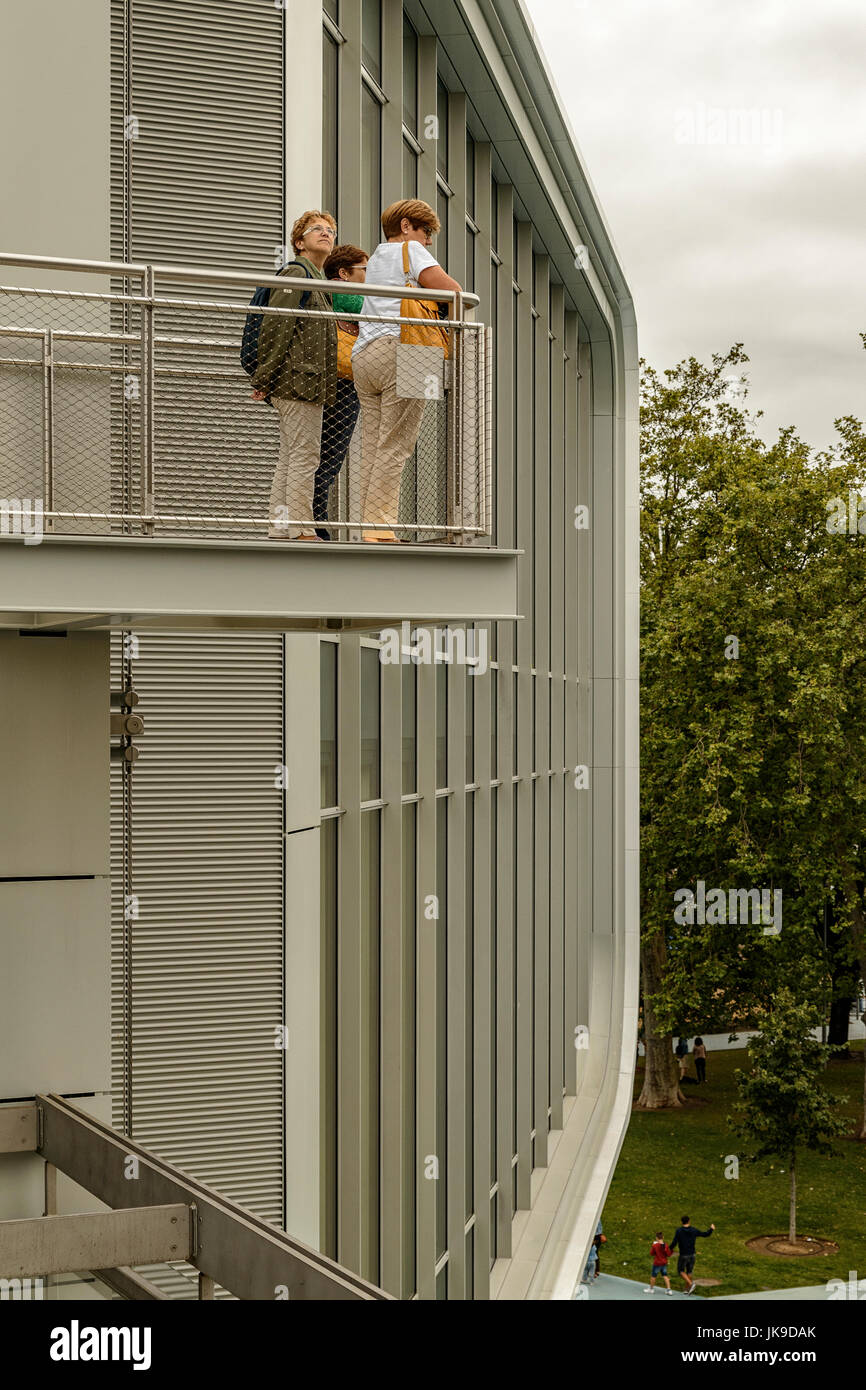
<point x="250" y="278"/>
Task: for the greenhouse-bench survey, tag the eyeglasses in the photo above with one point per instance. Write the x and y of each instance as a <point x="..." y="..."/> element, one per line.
<point x="323" y="231"/>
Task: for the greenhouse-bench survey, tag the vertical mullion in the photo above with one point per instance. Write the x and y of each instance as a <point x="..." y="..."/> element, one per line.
<point x="394" y="1003"/>
<point x="481" y="1017"/>
<point x="541" y="573"/>
<point x="506" y="536"/>
<point x="583" y="541"/>
<point x="392" y="112"/>
<point x="425" y="986"/>
<point x="524" y="715"/>
<point x="557" y="704"/>
<point x="349" y="123"/>
<point x="352" y="1121"/>
<point x="573" y="694"/>
<point x="456" y="970"/>
<point x="427" y="69"/>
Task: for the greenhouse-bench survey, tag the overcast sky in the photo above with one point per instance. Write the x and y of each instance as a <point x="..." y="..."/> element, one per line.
<point x="729" y="229"/>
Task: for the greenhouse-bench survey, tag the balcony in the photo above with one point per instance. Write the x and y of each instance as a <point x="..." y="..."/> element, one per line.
<point x="136" y="467"/>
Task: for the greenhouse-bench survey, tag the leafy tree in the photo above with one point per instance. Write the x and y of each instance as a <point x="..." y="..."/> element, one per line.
<point x="782" y="1106"/>
<point x="753" y="750"/>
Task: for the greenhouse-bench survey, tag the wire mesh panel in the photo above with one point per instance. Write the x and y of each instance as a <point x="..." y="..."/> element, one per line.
<point x="126" y="409"/>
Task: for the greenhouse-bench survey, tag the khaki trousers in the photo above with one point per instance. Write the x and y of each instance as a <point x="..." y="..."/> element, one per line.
<point x="389" y="429"/>
<point x="300" y="455"/>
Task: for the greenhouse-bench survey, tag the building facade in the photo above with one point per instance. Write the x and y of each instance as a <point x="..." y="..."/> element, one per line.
<point x="373" y="903"/>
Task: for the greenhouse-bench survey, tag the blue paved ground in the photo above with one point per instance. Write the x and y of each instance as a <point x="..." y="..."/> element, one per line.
<point x="610" y="1288"/>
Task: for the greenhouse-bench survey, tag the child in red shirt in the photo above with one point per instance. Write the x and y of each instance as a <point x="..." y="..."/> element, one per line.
<point x="660" y="1252"/>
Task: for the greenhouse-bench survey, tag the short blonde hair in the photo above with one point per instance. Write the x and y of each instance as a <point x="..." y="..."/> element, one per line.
<point x="305" y="220"/>
<point x="415" y="210"/>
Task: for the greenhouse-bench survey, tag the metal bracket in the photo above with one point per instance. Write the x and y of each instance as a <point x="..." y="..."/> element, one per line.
<point x="125" y="725"/>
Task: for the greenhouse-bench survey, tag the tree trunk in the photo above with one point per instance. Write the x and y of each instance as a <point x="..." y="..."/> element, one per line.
<point x="792" y="1210"/>
<point x="661" y="1088"/>
<point x="858" y="933"/>
<point x="837" y="1034"/>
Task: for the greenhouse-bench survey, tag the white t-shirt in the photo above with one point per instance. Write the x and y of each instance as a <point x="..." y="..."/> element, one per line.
<point x="385" y="267"/>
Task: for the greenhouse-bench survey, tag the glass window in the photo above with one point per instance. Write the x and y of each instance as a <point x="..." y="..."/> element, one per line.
<point x="494" y="794"/>
<point x="370" y="946"/>
<point x="410" y="722"/>
<point x="370" y="723"/>
<point x="371" y="37"/>
<point x="328" y="721"/>
<point x="442" y="141"/>
<point x="470" y="258"/>
<point x="494" y="214"/>
<point x="410" y="172"/>
<point x="441" y="725"/>
<point x="371" y="168"/>
<point x="330" y="137"/>
<point x="410" y="77"/>
<point x="470" y="175"/>
<point x="441" y="248"/>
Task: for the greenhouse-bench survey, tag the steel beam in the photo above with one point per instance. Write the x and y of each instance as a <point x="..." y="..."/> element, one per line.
<point x="17" y="1128"/>
<point x="95" y="1240"/>
<point x="244" y="1254"/>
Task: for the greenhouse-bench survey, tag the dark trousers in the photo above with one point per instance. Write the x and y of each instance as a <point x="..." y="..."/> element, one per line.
<point x="701" y="1068"/>
<point x="338" y="426"/>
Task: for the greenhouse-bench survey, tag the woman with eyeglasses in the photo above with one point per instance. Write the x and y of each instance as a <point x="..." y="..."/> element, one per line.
<point x="297" y="372"/>
<point x="338" y="424"/>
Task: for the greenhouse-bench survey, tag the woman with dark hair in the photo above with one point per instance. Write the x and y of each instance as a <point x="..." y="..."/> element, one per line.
<point x="338" y="424"/>
<point x="699" y="1052"/>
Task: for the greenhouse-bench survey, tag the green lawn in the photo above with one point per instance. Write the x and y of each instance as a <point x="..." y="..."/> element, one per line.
<point x="673" y="1162"/>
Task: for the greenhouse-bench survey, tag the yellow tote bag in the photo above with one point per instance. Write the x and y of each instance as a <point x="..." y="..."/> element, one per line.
<point x="428" y="332"/>
<point x="345" y="342"/>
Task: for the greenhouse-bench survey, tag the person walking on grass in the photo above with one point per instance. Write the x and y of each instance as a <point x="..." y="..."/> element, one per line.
<point x="685" y="1239"/>
<point x="591" y="1262"/>
<point x="699" y="1052"/>
<point x="682" y="1053"/>
<point x="660" y="1253"/>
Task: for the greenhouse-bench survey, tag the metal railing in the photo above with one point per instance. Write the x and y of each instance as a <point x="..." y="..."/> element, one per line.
<point x="124" y="410"/>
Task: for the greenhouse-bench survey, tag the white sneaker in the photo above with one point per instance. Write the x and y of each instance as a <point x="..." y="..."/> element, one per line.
<point x="669" y="1293"/>
<point x="649" y="1290"/>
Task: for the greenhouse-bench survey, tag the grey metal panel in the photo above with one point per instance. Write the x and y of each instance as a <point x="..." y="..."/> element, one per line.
<point x="427" y="107"/>
<point x="525" y="750"/>
<point x="352" y="1124"/>
<point x="541" y="750"/>
<point x="506" y="796"/>
<point x="395" y="1004"/>
<point x="426" y="988"/>
<point x="350" y="126"/>
<point x="54" y="719"/>
<point x="585" y="541"/>
<point x="558" y="783"/>
<point x="54" y="954"/>
<point x="392" y="113"/>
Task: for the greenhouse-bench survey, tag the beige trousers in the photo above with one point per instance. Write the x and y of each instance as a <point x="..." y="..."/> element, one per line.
<point x="389" y="429"/>
<point x="300" y="451"/>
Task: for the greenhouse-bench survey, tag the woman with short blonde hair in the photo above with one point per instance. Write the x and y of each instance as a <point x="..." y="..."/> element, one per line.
<point x="390" y="423"/>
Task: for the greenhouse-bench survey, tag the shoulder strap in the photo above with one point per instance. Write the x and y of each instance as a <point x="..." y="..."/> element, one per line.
<point x="407" y="269"/>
